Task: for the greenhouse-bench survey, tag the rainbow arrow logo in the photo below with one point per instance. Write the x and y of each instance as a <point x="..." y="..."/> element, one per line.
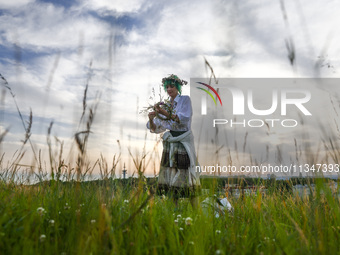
<point x="209" y="93"/>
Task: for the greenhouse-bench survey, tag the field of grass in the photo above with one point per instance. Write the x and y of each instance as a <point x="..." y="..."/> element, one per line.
<point x="109" y="218"/>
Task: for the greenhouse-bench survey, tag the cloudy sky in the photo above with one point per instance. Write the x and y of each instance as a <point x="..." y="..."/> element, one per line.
<point x="50" y="50"/>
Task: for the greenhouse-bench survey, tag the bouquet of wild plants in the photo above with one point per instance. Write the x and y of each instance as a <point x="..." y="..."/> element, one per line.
<point x="163" y="104"/>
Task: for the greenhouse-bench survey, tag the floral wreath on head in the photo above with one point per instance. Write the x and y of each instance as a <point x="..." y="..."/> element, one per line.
<point x="174" y="80"/>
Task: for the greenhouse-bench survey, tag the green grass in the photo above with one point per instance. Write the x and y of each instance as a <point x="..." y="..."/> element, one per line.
<point x="92" y="218"/>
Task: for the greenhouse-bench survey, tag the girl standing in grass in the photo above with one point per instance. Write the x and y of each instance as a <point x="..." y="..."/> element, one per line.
<point x="177" y="174"/>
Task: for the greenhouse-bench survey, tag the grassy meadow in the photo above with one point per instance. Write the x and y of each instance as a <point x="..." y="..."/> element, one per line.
<point x="110" y="218"/>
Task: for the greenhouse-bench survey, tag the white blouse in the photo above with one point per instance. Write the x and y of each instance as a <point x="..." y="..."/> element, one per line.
<point x="183" y="109"/>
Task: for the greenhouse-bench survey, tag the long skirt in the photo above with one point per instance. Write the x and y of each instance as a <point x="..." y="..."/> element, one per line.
<point x="175" y="180"/>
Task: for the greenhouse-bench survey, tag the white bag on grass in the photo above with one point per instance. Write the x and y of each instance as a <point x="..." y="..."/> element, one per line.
<point x="220" y="206"/>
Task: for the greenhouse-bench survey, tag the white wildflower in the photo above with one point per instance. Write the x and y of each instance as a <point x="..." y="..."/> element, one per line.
<point x="188" y="221"/>
<point x="93" y="221"/>
<point x="218" y="231"/>
<point x="41" y="211"/>
<point x="51" y="222"/>
<point x="42" y="238"/>
<point x="191" y="243"/>
<point x="181" y="229"/>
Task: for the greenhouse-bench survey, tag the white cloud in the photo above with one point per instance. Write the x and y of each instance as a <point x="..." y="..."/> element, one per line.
<point x="117" y="6"/>
<point x="4" y="4"/>
<point x="43" y="27"/>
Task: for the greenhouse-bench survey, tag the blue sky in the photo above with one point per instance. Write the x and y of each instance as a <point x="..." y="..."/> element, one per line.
<point x="46" y="48"/>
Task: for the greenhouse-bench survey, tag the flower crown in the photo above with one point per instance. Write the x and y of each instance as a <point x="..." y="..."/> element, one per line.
<point x="173" y="79"/>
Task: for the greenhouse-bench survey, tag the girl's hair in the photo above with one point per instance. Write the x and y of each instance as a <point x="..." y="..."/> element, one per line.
<point x="173" y="80"/>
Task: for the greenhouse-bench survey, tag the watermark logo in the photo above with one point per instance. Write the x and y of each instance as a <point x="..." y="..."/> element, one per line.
<point x="204" y="101"/>
<point x="256" y="98"/>
<point x="239" y="101"/>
